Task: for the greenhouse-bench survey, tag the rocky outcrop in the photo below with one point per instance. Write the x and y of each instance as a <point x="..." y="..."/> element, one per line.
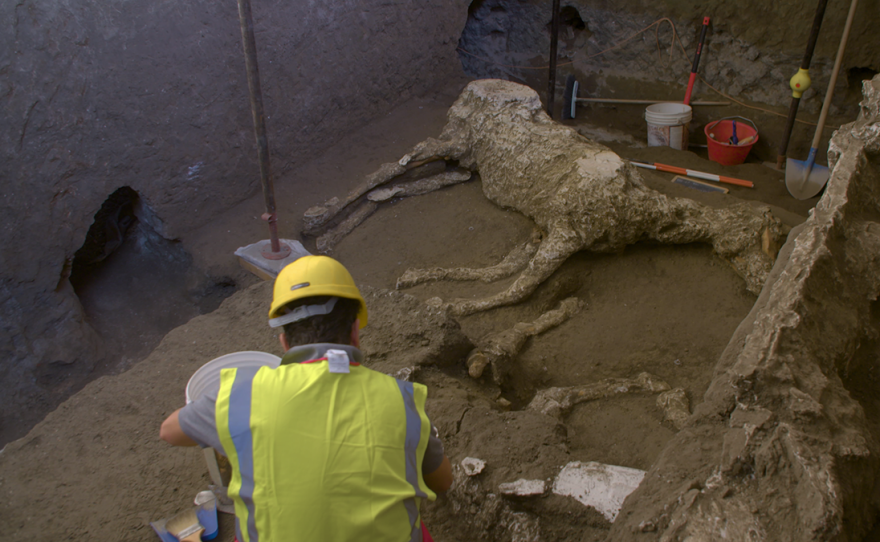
<point x="782" y="448"/>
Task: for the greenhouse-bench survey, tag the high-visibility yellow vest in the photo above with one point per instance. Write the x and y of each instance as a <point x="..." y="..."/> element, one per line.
<point x="320" y="456"/>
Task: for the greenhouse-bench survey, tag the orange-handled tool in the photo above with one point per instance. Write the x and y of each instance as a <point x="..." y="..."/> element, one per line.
<point x="693" y="77"/>
<point x="697" y="174"/>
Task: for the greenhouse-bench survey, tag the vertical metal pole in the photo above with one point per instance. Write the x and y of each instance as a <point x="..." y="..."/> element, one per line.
<point x="253" y="74"/>
<point x="554" y="41"/>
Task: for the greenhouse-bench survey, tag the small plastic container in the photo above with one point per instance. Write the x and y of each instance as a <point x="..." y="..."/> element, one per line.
<point x="668" y="125"/>
<point x="206" y="511"/>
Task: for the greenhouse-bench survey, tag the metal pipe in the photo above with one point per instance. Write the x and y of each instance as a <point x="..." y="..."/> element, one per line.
<point x="554" y="41"/>
<point x="644" y="102"/>
<point x="256" y="95"/>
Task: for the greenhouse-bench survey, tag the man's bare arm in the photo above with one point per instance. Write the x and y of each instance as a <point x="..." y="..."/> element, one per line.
<point x="173" y="434"/>
<point x="441" y="479"/>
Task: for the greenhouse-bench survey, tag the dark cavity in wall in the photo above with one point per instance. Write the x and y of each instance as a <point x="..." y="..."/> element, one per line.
<point x="570" y="17"/>
<point x="854" y="79"/>
<point x="134" y="284"/>
<point x="483" y="45"/>
<point x="511" y="40"/>
<point x="573" y="31"/>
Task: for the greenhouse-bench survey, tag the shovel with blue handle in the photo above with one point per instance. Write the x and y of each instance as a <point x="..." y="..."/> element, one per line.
<point x="805" y="179"/>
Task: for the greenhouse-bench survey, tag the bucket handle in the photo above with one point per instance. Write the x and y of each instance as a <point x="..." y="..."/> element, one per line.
<point x="732" y="118"/>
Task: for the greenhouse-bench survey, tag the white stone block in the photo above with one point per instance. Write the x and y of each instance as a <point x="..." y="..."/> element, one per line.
<point x="600" y="486"/>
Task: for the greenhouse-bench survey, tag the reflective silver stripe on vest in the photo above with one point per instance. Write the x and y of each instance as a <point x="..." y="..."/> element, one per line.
<point x="413" y="435"/>
<point x="242" y="439"/>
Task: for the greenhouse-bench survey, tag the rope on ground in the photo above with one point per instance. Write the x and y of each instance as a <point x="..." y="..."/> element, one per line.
<point x="675" y="39"/>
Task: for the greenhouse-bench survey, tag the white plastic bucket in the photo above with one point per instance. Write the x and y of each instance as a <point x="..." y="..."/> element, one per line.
<point x="668" y="125"/>
<point x="208" y="375"/>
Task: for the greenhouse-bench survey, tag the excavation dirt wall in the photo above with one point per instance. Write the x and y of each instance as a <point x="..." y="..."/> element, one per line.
<point x="95" y="96"/>
<point x="751" y="51"/>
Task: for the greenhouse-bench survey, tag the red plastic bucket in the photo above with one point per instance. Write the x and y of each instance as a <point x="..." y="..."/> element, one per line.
<point x="718" y="134"/>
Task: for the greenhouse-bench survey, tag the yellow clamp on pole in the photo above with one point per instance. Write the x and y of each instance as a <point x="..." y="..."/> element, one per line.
<point x="799" y="83"/>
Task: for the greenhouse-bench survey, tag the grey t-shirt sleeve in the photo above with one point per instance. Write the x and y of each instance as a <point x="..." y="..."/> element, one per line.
<point x="433" y="454"/>
<point x="199" y="422"/>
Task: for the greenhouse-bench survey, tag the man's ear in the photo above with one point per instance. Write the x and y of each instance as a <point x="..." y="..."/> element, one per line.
<point x="356" y="333"/>
<point x="283" y="339"/>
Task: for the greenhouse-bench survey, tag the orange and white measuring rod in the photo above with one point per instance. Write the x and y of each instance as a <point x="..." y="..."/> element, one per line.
<point x="697" y="174"/>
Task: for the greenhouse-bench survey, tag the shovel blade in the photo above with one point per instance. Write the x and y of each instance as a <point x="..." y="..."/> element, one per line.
<point x="799" y="184"/>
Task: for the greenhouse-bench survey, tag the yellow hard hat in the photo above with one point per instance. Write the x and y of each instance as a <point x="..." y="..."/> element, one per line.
<point x="312" y="276"/>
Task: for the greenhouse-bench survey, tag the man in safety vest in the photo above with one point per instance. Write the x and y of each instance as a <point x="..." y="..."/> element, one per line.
<point x="322" y="448"/>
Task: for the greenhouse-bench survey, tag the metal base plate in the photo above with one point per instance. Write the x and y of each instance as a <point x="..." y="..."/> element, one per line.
<point x="252" y="258"/>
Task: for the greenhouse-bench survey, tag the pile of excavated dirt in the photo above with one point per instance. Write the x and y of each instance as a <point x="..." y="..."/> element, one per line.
<point x="95" y="468"/>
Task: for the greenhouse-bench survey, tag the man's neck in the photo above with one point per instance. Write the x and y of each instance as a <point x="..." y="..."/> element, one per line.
<point x="299" y="354"/>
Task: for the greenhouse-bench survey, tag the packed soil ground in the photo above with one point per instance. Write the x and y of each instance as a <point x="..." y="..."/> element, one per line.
<point x="95" y="468"/>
